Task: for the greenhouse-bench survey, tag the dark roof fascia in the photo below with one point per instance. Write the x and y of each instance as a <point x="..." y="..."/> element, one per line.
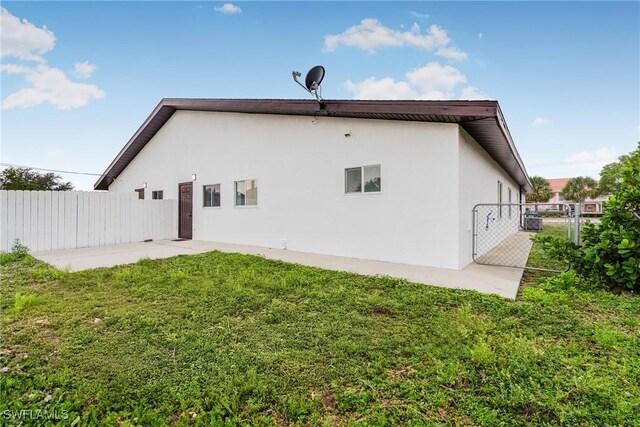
<point x="332" y="107"/>
<point x="459" y="112"/>
<point x="105" y="179"/>
<point x="502" y="123"/>
<point x="421" y="108"/>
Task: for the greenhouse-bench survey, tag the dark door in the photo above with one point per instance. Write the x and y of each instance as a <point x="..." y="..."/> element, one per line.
<point x="185" y="210"/>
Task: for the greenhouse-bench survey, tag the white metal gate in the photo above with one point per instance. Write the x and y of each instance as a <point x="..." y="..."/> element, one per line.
<point x="502" y="232"/>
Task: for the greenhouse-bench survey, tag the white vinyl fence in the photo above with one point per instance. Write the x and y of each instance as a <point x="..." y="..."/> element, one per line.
<point x="53" y="220"/>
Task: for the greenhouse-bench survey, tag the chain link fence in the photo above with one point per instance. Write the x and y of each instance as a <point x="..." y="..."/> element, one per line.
<point x="502" y="232"/>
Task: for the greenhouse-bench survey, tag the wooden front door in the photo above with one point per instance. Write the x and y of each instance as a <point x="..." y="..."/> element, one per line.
<point x="185" y="210"/>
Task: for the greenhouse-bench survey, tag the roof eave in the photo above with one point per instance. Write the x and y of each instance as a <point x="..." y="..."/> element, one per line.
<point x="463" y="113"/>
<point x="102" y="182"/>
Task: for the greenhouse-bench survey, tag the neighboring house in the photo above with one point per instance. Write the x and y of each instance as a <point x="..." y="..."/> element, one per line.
<point x="557" y="185"/>
<point x="383" y="180"/>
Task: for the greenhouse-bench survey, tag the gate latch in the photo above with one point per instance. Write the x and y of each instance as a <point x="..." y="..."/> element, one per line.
<point x="489" y="220"/>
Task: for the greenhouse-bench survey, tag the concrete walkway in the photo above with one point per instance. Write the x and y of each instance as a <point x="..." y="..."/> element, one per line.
<point x="512" y="251"/>
<point x="486" y="279"/>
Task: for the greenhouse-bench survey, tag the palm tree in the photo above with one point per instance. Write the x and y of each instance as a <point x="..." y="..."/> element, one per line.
<point x="579" y="188"/>
<point x="541" y="190"/>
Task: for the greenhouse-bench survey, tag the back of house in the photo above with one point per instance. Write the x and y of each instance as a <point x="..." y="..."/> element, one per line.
<point x="383" y="180"/>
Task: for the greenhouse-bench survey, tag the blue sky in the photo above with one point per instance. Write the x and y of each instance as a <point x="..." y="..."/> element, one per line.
<point x="78" y="78"/>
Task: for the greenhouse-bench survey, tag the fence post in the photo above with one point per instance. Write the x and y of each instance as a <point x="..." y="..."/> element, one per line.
<point x="577" y="224"/>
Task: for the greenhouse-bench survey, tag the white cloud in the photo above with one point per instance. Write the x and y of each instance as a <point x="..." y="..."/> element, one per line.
<point x="84" y="69"/>
<point x="371" y="35"/>
<point x="480" y="36"/>
<point x="436" y="77"/>
<point x="431" y="81"/>
<point x="591" y="162"/>
<point x="21" y="39"/>
<point x="52" y="86"/>
<point x="471" y="93"/>
<point x="228" y="9"/>
<point x="46" y="85"/>
<point x="419" y="15"/>
<point x="604" y="155"/>
<point x="15" y="69"/>
<point x="452" y="53"/>
<point x="386" y="88"/>
<point x="540" y="121"/>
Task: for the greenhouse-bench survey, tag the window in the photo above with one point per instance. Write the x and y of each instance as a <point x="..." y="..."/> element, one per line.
<point x="247" y="192"/>
<point x="211" y="195"/>
<point x="140" y="192"/>
<point x="369" y="175"/>
<point x="499" y="199"/>
<point x="157" y="195"/>
<point x="509" y="200"/>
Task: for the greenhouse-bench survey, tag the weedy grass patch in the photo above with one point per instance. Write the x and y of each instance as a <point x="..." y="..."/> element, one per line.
<point x="229" y="339"/>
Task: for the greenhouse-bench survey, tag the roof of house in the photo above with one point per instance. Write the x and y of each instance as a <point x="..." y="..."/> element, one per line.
<point x="483" y="120"/>
<point x="558" y="184"/>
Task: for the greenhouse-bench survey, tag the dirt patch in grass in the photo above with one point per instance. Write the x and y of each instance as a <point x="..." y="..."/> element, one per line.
<point x="396" y="374"/>
<point x="383" y="311"/>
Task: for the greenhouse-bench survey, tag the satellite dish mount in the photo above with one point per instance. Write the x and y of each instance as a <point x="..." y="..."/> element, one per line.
<point x="312" y="81"/>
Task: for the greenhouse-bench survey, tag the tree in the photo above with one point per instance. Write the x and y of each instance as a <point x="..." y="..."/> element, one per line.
<point x="541" y="190"/>
<point x="611" y="175"/>
<point x="579" y="188"/>
<point x="27" y="179"/>
<point x="609" y="251"/>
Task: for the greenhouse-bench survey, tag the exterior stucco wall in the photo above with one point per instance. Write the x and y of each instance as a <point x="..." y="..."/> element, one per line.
<point x="299" y="163"/>
<point x="478" y="179"/>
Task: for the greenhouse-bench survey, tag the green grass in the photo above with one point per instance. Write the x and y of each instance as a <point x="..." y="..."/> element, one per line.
<point x="538" y="259"/>
<point x="228" y="339"/>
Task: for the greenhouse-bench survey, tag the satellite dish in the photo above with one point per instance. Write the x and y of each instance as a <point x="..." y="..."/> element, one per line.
<point x="312" y="81"/>
<point x="314" y="78"/>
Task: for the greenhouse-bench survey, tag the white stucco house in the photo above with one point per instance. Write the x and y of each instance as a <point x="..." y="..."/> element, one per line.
<point x="382" y="180"/>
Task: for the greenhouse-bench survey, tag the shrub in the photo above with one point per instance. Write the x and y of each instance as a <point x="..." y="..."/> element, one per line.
<point x="18" y="253"/>
<point x="552" y="214"/>
<point x="609" y="252"/>
<point x="19" y="250"/>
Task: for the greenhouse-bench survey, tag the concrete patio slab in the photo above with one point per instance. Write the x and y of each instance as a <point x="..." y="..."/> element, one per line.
<point x="502" y="281"/>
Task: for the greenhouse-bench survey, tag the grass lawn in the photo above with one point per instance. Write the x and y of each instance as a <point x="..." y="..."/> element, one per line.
<point x="228" y="339"/>
<point x="538" y="259"/>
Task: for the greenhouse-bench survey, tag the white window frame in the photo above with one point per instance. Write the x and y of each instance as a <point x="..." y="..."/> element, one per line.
<point x="203" y="198"/>
<point x="351" y="193"/>
<point x="235" y="193"/>
<point x="154" y="195"/>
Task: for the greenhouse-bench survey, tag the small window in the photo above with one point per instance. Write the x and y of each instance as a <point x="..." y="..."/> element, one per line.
<point x="140" y="192"/>
<point x="157" y="195"/>
<point x="369" y="175"/>
<point x="247" y="192"/>
<point x="499" y="199"/>
<point x="211" y="195"/>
